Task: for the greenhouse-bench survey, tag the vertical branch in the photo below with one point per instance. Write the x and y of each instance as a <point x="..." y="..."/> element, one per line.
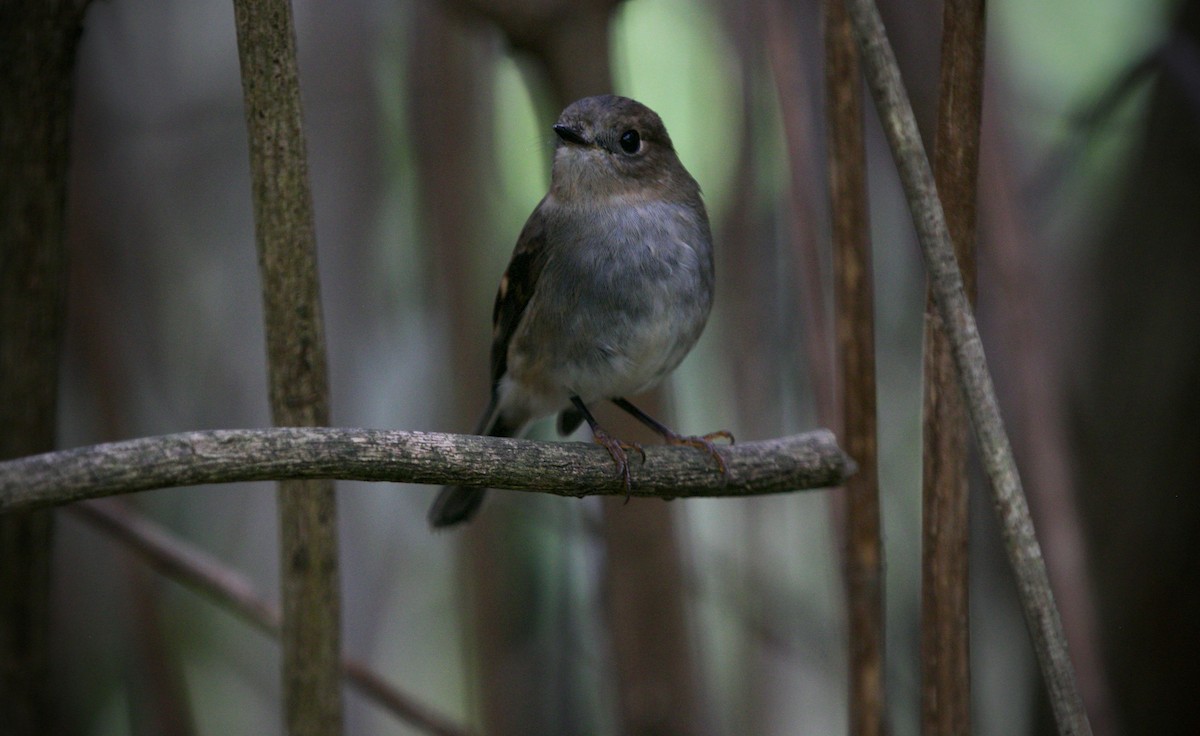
<point x="856" y="354"/>
<point x="945" y="641"/>
<point x="749" y="260"/>
<point x="644" y="590"/>
<point x="38" y="39"/>
<point x="448" y="90"/>
<point x="296" y="360"/>
<point x="784" y="44"/>
<point x="748" y="254"/>
<point x="1008" y="497"/>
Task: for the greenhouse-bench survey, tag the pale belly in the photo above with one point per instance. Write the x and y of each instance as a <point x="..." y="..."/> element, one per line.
<point x="621" y="356"/>
<point x="614" y="313"/>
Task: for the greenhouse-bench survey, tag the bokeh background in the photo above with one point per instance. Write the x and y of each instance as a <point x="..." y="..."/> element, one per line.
<point x="428" y="137"/>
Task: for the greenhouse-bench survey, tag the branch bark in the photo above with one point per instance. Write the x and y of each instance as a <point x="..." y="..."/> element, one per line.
<point x="296" y="360"/>
<point x="800" y="462"/>
<point x="1008" y="497"/>
<point x="853" y="292"/>
<point x="945" y="629"/>
<point x="202" y="573"/>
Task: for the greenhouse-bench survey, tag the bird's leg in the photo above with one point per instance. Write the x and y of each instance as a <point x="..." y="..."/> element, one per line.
<point x="616" y="448"/>
<point x="704" y="442"/>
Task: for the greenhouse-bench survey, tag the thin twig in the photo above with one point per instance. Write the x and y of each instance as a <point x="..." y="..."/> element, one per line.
<point x="202" y="573"/>
<point x="296" y="362"/>
<point x="945" y="641"/>
<point x="853" y="298"/>
<point x="1008" y="497"/>
<point x="800" y="462"/>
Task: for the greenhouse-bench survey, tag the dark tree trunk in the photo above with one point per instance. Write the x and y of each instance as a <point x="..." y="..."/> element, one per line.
<point x="1136" y="402"/>
<point x="38" y="40"/>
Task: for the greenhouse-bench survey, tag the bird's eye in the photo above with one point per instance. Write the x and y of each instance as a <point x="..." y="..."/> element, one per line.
<point x="631" y="142"/>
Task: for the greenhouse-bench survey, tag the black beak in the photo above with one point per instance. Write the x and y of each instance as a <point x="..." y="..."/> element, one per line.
<point x="569" y="134"/>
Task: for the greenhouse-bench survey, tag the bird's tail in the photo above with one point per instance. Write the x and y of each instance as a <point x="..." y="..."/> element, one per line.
<point x="458" y="504"/>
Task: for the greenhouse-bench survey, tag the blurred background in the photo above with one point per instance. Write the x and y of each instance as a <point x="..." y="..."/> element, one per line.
<point x="428" y="127"/>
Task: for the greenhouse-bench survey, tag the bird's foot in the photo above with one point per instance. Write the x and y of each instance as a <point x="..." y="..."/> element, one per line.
<point x="704" y="442"/>
<point x="617" y="449"/>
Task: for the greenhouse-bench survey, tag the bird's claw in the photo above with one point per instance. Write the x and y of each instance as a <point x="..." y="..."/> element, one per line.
<point x="705" y="442"/>
<point x="617" y="449"/>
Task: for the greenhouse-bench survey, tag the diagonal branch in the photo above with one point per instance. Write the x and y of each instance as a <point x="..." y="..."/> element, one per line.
<point x="946" y="283"/>
<point x="799" y="462"/>
<point x="199" y="571"/>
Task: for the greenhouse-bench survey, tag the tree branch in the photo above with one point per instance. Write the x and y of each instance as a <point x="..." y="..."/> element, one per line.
<point x="800" y="462"/>
<point x="945" y="630"/>
<point x="946" y="282"/>
<point x="203" y="574"/>
<point x="296" y="362"/>
<point x="863" y="562"/>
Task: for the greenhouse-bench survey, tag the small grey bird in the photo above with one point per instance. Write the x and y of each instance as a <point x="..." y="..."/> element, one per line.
<point x="608" y="288"/>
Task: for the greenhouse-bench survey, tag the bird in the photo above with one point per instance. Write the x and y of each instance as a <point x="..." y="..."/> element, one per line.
<point x="608" y="288"/>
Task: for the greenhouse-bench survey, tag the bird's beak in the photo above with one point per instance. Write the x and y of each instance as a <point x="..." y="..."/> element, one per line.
<point x="569" y="134"/>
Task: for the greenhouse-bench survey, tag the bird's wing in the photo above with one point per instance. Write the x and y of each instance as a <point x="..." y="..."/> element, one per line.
<point x="516" y="288"/>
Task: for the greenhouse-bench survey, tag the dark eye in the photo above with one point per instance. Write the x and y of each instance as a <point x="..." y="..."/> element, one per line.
<point x="631" y="141"/>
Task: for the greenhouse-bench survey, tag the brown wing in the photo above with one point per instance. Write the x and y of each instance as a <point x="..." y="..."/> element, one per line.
<point x="516" y="288"/>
